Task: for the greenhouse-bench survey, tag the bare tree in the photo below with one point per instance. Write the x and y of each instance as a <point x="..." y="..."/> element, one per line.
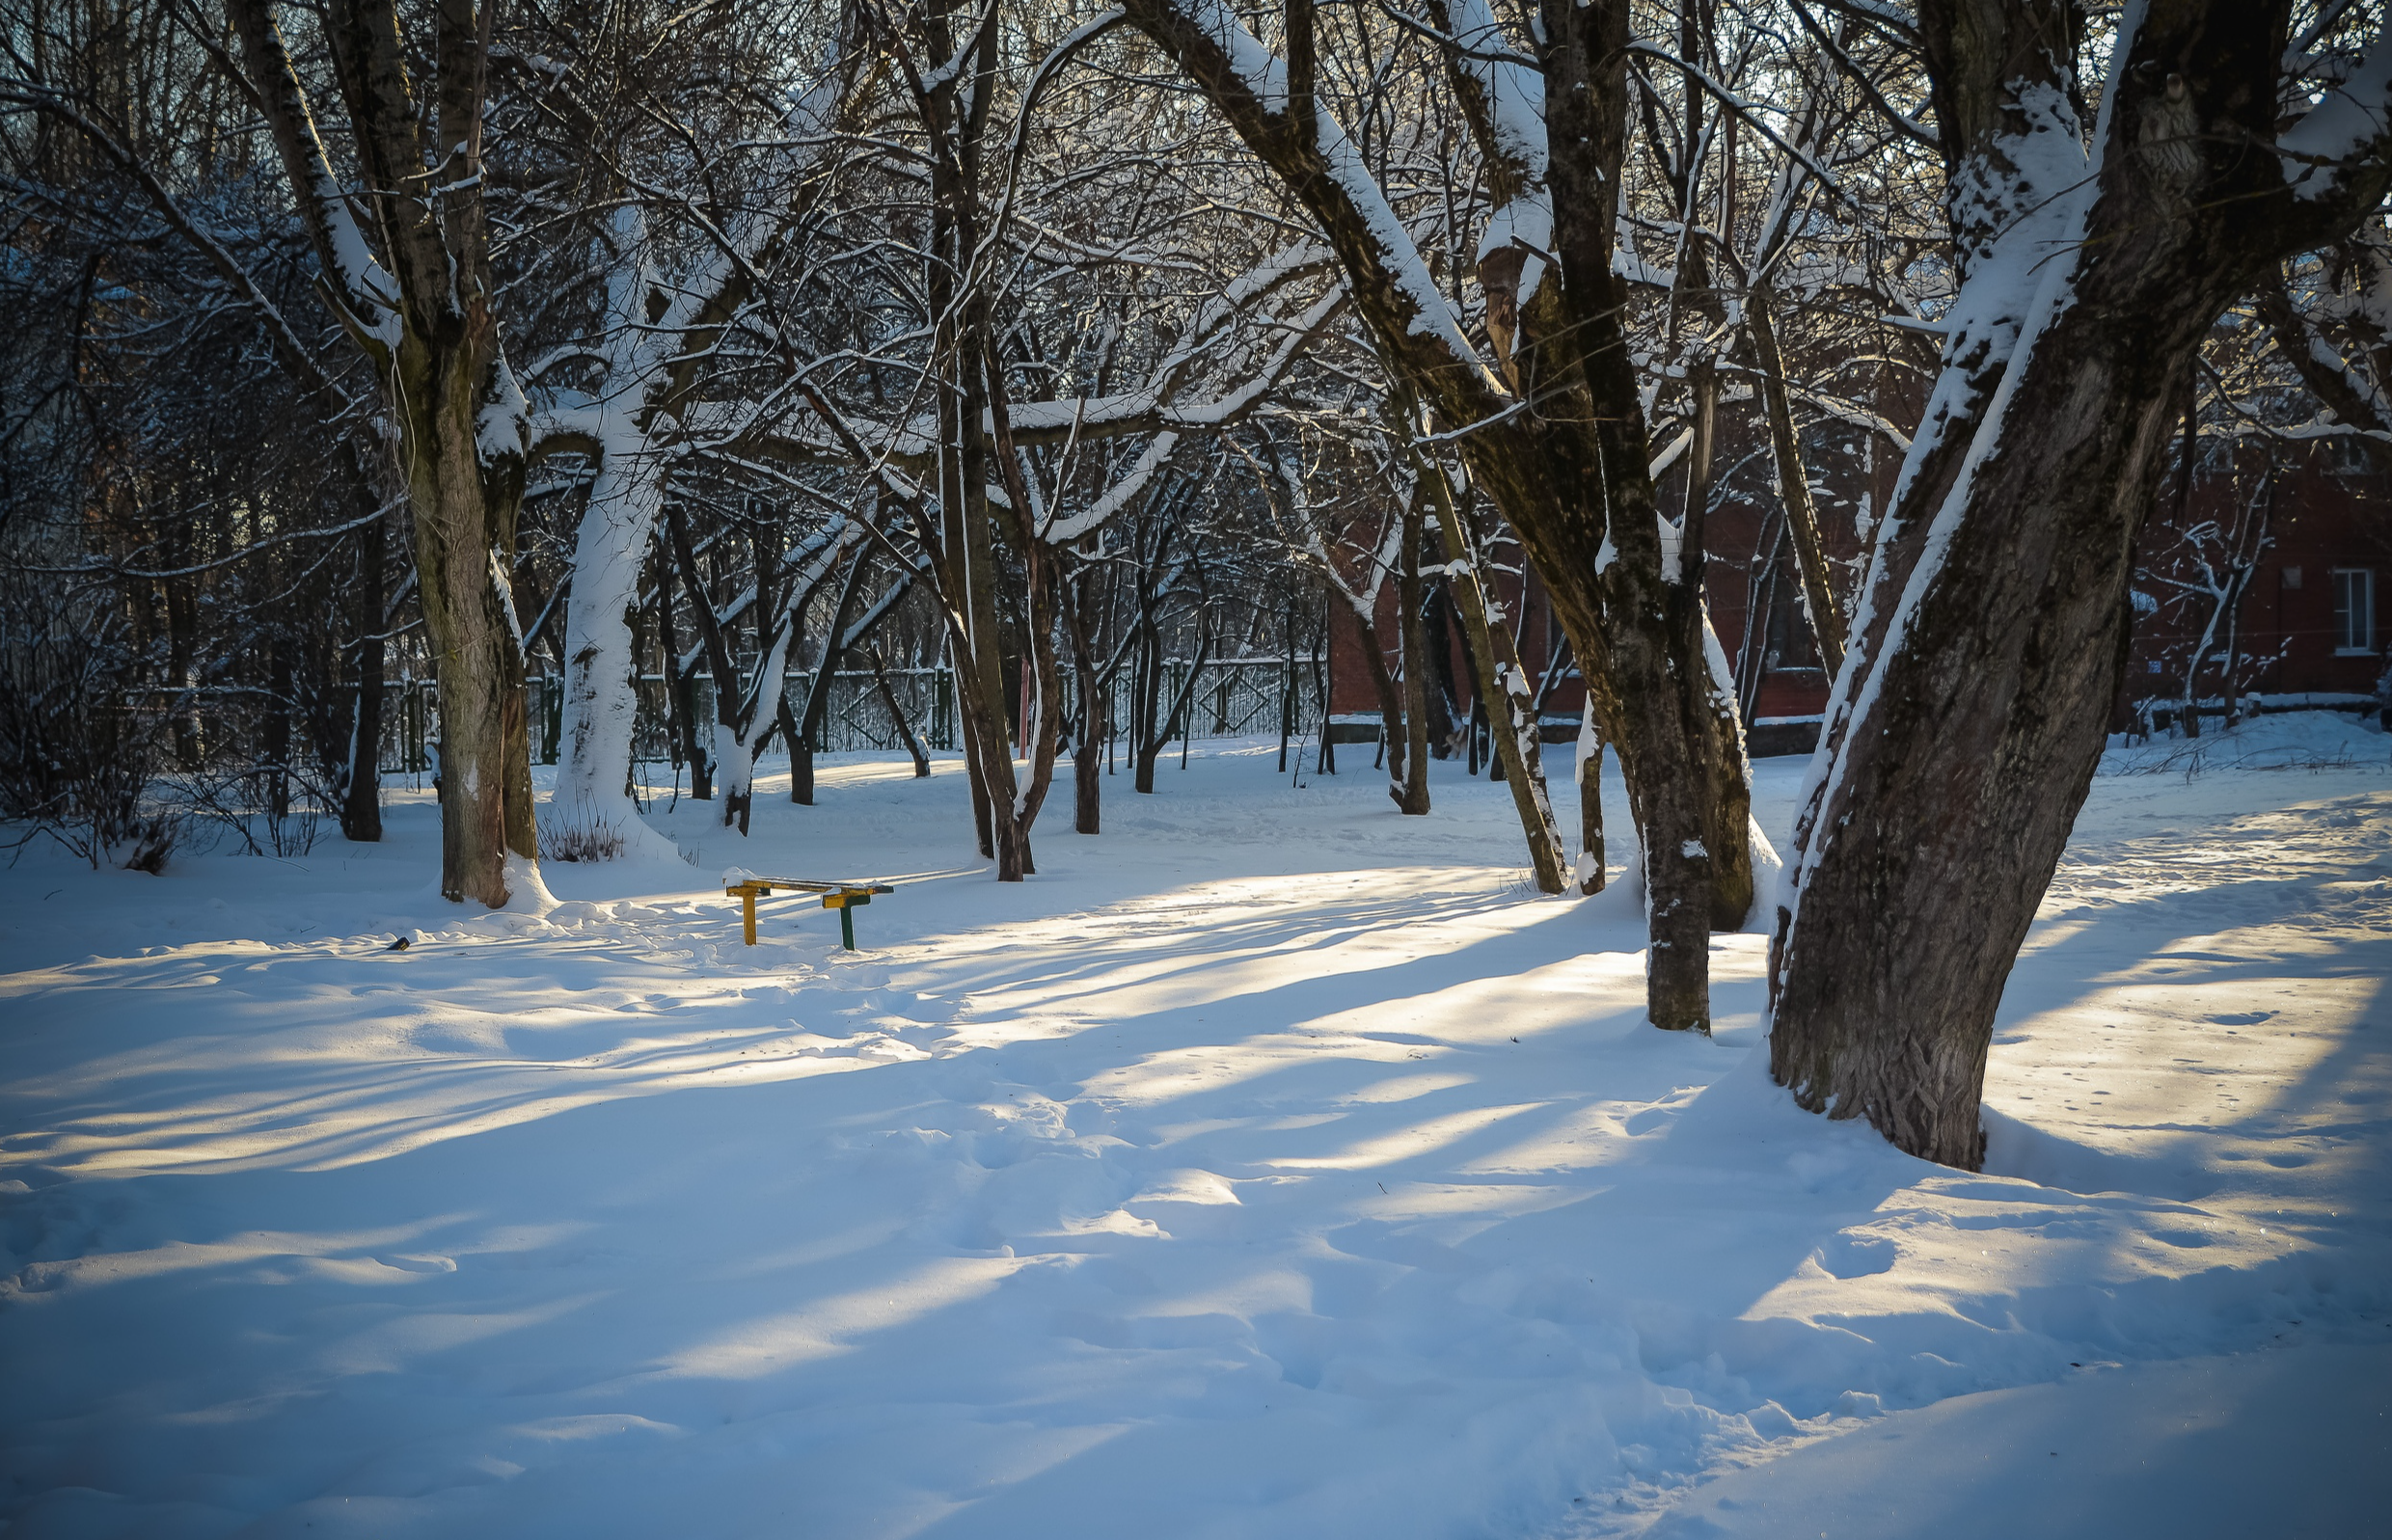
<point x="1551" y="132"/>
<point x="1986" y="650"/>
<point x="423" y="310"/>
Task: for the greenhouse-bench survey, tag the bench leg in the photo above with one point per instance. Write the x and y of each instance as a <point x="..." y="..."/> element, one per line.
<point x="747" y="907"/>
<point x="847" y="927"/>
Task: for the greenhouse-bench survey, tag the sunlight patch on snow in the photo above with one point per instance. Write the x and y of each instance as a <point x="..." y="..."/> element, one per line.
<point x="833" y="1325"/>
<point x="1418" y="1139"/>
<point x="397" y="1345"/>
<point x="1274" y="1165"/>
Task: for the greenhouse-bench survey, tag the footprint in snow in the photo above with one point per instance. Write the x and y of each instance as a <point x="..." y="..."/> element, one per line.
<point x="1856" y="1255"/>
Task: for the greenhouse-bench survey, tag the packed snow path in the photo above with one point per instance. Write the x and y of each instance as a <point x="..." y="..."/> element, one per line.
<point x="1270" y="1165"/>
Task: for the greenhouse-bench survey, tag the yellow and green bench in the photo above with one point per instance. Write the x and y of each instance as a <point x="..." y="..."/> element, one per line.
<point x="844" y="897"/>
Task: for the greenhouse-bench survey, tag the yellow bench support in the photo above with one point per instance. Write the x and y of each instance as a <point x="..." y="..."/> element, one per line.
<point x="844" y="897"/>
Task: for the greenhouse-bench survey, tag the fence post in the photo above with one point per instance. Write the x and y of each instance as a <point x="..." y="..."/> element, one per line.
<point x="551" y="716"/>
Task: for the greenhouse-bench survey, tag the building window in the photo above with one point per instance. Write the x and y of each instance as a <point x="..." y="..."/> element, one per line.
<point x="2354" y="610"/>
<point x="1788" y="643"/>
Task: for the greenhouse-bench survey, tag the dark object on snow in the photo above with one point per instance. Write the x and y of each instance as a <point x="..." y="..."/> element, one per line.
<point x="399" y="945"/>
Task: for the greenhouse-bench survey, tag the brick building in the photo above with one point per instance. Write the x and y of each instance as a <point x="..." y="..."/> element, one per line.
<point x="2279" y="553"/>
<point x="2276" y="557"/>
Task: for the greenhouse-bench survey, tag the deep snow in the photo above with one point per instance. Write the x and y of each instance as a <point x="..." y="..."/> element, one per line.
<point x="1269" y="1165"/>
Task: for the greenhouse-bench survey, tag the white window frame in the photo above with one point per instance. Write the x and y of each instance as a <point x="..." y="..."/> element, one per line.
<point x="2358" y="583"/>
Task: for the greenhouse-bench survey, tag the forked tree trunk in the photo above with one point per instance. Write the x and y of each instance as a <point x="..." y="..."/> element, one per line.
<point x="905" y="734"/>
<point x="1571" y="480"/>
<point x="1504" y="696"/>
<point x="809" y="724"/>
<point x="1801" y="510"/>
<point x="1965" y="730"/>
<point x="975" y="440"/>
<point x="1156" y="733"/>
<point x="656" y="332"/>
<point x="1674" y="728"/>
<point x="422" y="310"/>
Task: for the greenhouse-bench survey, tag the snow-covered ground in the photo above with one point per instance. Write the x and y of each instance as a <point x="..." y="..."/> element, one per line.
<point x="1271" y="1164"/>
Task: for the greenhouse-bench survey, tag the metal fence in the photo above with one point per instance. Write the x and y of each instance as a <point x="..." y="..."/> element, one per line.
<point x="1233" y="697"/>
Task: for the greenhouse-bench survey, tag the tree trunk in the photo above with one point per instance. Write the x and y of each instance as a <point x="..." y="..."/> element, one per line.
<point x="2188" y="460"/>
<point x="1968" y="722"/>
<point x="984" y="817"/>
<point x="818" y="690"/>
<point x="1391" y="713"/>
<point x="1590" y="876"/>
<point x="1516" y="738"/>
<point x="427" y="322"/>
<point x="1447" y="726"/>
<point x="681" y="693"/>
<point x="486" y="790"/>
<point x="656" y="332"/>
<point x="281" y="683"/>
<point x="897" y="716"/>
<point x="1146" y="734"/>
<point x="731" y="760"/>
<point x="361" y="792"/>
<point x="1416" y="667"/>
<point x="1802" y="513"/>
<point x="1092" y="688"/>
<point x="1573" y="482"/>
<point x="600" y="668"/>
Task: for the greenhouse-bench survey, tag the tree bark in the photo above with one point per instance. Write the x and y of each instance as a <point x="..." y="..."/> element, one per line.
<point x="1416" y="667"/>
<point x="1391" y="712"/>
<point x="361" y="792"/>
<point x="1092" y="688"/>
<point x="1515" y="735"/>
<point x="1571" y="477"/>
<point x="1969" y="717"/>
<point x="818" y="692"/>
<point x="1802" y="512"/>
<point x="423" y="312"/>
<point x="912" y="741"/>
<point x="716" y="650"/>
<point x="681" y="690"/>
<point x="1590" y="875"/>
